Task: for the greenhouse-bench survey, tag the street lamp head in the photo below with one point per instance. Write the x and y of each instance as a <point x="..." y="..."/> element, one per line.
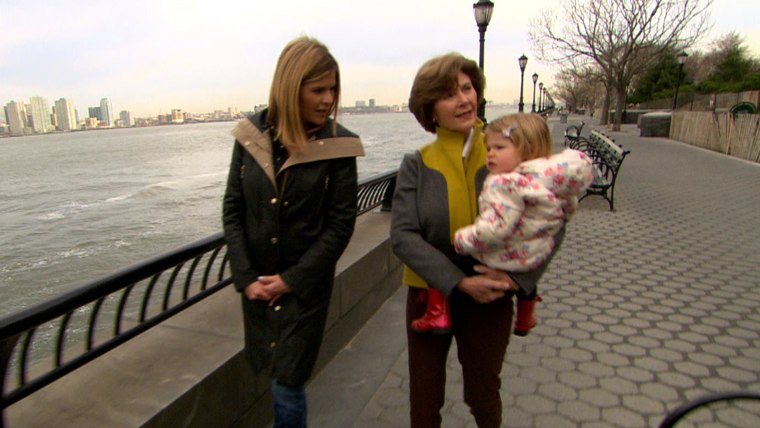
<point x="523" y="61"/>
<point x="482" y="10"/>
<point x="682" y="58"/>
<point x="535" y="78"/>
<point x="541" y="85"/>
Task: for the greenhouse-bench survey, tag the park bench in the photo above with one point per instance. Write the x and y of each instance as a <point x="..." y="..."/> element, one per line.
<point x="607" y="157"/>
<point x="573" y="134"/>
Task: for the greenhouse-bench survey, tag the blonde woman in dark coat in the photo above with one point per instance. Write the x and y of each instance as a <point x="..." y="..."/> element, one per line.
<point x="288" y="213"/>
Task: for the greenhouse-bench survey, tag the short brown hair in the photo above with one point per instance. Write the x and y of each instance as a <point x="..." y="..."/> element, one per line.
<point x="437" y="78"/>
<point x="302" y="60"/>
<point x="528" y="131"/>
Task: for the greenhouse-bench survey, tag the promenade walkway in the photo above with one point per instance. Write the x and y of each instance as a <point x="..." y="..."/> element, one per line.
<point x="644" y="308"/>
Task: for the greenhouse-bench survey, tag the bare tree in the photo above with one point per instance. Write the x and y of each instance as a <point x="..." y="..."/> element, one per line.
<point x="579" y="87"/>
<point x="622" y="37"/>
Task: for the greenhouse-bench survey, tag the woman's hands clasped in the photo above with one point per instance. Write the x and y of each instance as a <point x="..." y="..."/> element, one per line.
<point x="268" y="288"/>
<point x="490" y="285"/>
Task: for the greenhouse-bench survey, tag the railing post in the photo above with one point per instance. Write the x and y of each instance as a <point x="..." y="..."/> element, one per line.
<point x="387" y="198"/>
<point x="6" y="350"/>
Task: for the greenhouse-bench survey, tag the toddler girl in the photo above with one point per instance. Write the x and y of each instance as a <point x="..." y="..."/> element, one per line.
<point x="526" y="199"/>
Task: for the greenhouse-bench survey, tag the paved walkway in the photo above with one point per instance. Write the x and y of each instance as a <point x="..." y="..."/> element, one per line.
<point x="644" y="308"/>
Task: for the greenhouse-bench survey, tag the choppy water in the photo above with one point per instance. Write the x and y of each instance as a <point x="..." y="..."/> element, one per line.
<point x="77" y="206"/>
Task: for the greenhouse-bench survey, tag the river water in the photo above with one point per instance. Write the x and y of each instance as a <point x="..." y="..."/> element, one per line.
<point x="77" y="206"/>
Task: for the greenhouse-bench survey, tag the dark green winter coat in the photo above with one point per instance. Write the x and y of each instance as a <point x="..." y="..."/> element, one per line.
<point x="298" y="230"/>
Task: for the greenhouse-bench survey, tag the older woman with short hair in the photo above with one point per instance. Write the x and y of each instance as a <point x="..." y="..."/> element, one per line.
<point x="436" y="193"/>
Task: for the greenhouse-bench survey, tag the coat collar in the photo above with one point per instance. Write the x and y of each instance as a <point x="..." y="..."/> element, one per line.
<point x="253" y="135"/>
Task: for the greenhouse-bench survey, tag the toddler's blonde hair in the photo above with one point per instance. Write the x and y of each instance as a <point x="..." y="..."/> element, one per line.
<point x="528" y="131"/>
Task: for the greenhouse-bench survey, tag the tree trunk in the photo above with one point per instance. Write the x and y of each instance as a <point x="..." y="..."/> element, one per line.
<point x="619" y="107"/>
<point x="605" y="111"/>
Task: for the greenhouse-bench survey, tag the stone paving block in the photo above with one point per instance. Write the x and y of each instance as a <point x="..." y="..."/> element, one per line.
<point x="579" y="411"/>
<point x="557" y="392"/>
<point x="535" y="404"/>
<point x="659" y="392"/>
<point x="618" y="385"/>
<point x="622" y="417"/>
<point x="599" y="397"/>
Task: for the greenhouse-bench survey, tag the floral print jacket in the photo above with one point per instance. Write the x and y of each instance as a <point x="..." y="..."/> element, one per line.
<point x="521" y="211"/>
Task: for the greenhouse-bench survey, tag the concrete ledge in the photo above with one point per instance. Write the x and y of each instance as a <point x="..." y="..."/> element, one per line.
<point x="190" y="371"/>
<point x="655" y="124"/>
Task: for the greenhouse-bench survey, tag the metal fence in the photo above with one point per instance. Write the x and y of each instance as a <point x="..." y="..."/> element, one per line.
<point x="690" y="101"/>
<point x="83" y="324"/>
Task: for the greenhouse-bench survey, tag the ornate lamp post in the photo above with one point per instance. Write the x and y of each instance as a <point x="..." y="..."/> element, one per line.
<point x="522" y="61"/>
<point x="540" y="95"/>
<point x="482" y="10"/>
<point x="681" y="61"/>
<point x="535" y="79"/>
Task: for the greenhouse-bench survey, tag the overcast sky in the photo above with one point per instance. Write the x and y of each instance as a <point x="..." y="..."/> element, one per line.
<point x="151" y="56"/>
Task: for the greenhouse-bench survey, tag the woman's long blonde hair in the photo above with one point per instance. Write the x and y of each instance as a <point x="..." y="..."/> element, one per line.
<point x="528" y="132"/>
<point x="302" y="60"/>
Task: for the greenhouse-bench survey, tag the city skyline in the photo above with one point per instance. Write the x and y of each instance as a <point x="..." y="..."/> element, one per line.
<point x="39" y="117"/>
<point x="91" y="108"/>
<point x="150" y="57"/>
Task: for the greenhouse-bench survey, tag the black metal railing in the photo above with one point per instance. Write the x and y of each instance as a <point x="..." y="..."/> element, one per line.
<point x="72" y="328"/>
<point x="376" y="191"/>
<point x="717" y="409"/>
<point x="547" y="111"/>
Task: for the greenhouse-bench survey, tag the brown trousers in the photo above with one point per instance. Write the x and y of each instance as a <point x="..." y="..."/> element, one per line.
<point x="482" y="333"/>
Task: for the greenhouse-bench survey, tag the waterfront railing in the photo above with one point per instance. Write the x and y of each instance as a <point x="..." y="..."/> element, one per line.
<point x="83" y="324"/>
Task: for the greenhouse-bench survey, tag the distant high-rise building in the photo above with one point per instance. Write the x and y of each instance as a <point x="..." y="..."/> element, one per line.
<point x="177" y="116"/>
<point x="40" y="112"/>
<point x="91" y="122"/>
<point x="94" y="112"/>
<point x="371" y="103"/>
<point x="126" y="118"/>
<point x="15" y="115"/>
<point x="106" y="113"/>
<point x="361" y="104"/>
<point x="67" y="117"/>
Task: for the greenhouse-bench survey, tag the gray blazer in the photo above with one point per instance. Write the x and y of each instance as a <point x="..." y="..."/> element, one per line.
<point x="420" y="229"/>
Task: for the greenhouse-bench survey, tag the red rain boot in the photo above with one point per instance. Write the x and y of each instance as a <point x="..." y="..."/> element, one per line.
<point x="525" y="318"/>
<point x="437" y="318"/>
